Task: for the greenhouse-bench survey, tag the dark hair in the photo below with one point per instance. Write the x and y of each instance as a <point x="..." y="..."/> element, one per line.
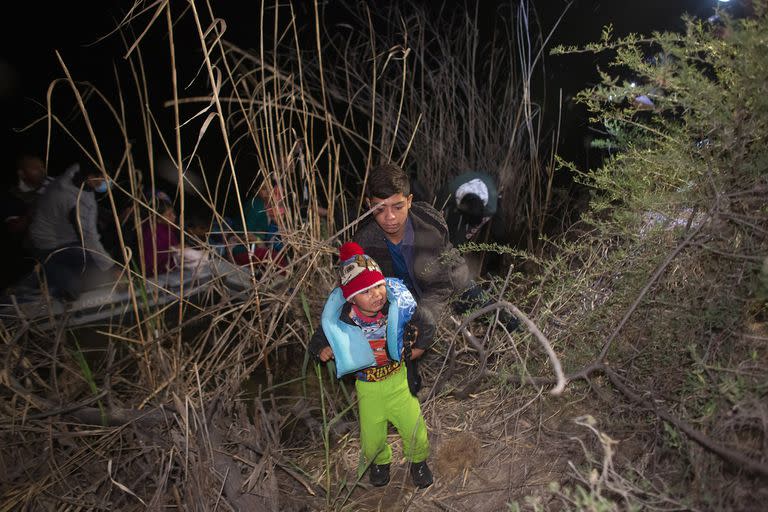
<point x="387" y="180"/>
<point x="86" y="171"/>
<point x="196" y="220"/>
<point x="471" y="207"/>
<point x="163" y="206"/>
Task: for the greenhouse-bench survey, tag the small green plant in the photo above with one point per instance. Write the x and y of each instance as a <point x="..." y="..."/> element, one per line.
<point x="668" y="264"/>
<point x="85" y="370"/>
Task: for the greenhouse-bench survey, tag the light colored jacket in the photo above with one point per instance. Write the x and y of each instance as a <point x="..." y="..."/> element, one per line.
<point x="67" y="215"/>
<point x="351" y="350"/>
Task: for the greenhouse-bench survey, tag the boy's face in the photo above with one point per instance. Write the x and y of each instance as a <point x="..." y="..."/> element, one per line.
<point x="391" y="214"/>
<point x="372" y="300"/>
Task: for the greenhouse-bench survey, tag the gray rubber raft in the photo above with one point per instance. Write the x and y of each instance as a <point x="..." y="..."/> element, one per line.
<point x="111" y="302"/>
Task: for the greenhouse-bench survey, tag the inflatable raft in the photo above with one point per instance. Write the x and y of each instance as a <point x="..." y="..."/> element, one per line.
<point x="115" y="301"/>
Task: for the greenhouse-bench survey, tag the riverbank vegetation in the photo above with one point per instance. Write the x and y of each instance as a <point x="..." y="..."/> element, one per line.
<point x="654" y="299"/>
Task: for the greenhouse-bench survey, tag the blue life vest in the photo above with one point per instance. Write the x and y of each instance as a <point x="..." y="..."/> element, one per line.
<point x="351" y="350"/>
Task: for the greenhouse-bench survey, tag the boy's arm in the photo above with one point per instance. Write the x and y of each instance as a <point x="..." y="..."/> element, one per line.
<point x="425" y="325"/>
<point x="449" y="276"/>
<point x="319" y="346"/>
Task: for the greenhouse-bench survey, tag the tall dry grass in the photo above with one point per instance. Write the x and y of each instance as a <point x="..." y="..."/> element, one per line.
<point x="152" y="412"/>
<point x="443" y="91"/>
<point x="312" y="108"/>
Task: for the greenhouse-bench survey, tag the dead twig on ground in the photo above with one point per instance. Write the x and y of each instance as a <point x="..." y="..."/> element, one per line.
<point x="560" y="379"/>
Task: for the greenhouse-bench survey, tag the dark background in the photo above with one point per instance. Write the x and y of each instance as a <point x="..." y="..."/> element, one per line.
<point x="28" y="62"/>
<point x="83" y="33"/>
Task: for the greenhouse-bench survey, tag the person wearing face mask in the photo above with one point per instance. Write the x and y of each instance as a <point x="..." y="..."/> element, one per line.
<point x="64" y="233"/>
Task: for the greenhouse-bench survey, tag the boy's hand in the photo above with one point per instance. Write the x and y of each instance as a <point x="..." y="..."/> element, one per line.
<point x="416" y="352"/>
<point x="409" y="339"/>
<point x="326" y="354"/>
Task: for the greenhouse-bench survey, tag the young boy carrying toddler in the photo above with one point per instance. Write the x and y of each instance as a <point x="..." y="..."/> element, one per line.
<point x="362" y="328"/>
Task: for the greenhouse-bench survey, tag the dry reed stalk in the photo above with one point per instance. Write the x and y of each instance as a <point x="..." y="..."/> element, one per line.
<point x="174" y="377"/>
<point x="247" y="332"/>
<point x="447" y="103"/>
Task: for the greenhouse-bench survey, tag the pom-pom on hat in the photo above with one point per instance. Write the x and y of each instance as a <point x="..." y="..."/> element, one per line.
<point x="358" y="271"/>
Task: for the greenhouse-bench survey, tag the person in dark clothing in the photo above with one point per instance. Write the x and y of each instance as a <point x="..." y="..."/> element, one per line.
<point x="470" y="203"/>
<point x="410" y="241"/>
<point x="19" y="202"/>
<point x="17" y="205"/>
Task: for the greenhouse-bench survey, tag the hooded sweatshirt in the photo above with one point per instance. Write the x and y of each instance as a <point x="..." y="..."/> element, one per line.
<point x="66" y="215"/>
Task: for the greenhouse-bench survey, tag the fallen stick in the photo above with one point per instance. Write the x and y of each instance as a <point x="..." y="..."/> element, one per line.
<point x="561" y="380"/>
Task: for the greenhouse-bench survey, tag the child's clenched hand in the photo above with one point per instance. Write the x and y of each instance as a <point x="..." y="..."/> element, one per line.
<point x="326" y="354"/>
<point x="417" y="353"/>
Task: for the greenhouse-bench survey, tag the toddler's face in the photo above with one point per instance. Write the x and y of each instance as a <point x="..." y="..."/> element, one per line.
<point x="372" y="300"/>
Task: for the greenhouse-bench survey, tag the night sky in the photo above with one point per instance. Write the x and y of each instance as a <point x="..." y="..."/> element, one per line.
<point x="28" y="62"/>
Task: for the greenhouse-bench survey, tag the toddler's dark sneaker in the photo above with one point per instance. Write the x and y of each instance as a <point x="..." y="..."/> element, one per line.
<point x="379" y="475"/>
<point x="421" y="475"/>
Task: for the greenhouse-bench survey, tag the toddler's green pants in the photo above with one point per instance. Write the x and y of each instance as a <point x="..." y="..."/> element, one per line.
<point x="391" y="401"/>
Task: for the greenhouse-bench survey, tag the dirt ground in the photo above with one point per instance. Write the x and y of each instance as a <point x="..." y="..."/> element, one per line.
<point x="488" y="451"/>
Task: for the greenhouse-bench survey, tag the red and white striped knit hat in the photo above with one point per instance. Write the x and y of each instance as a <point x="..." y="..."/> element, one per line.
<point x="358" y="271"/>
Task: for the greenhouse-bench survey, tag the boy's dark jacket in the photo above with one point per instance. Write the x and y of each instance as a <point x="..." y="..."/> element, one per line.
<point x="438" y="271"/>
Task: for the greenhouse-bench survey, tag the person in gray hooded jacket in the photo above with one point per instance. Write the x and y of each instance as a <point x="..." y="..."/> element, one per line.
<point x="64" y="232"/>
